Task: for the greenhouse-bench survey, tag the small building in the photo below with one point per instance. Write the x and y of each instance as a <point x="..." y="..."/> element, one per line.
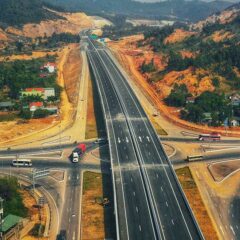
<point x="207" y="118"/>
<point x="52" y="110"/>
<point x="41" y="92"/>
<point x="51" y="67"/>
<point x="49" y="92"/>
<point x="33" y="92"/>
<point x="33" y="106"/>
<point x="235" y="99"/>
<point x="6" y="106"/>
<point x="11" y="225"/>
<point x="190" y="100"/>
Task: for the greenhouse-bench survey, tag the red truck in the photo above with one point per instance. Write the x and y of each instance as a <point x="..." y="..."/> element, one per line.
<point x="77" y="152"/>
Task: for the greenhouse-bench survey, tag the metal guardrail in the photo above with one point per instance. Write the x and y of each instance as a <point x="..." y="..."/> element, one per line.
<point x="112" y="169"/>
<point x="177" y="181"/>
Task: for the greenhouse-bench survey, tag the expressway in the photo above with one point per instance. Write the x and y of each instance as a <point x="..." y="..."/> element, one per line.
<point x="149" y="201"/>
<point x="130" y="197"/>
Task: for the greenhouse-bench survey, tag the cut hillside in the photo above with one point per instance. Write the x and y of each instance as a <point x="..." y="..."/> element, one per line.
<point x="3" y="36"/>
<point x="193" y="73"/>
<point x="72" y="23"/>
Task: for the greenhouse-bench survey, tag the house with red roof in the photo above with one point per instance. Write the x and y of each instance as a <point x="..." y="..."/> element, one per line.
<point x="33" y="92"/>
<point x="33" y="106"/>
<point x="51" y="67"/>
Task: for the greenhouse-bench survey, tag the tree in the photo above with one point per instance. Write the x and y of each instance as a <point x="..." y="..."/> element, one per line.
<point x="216" y="82"/>
<point x="25" y="114"/>
<point x="192" y="113"/>
<point x="178" y="96"/>
<point x="40" y="113"/>
<point x="19" y="46"/>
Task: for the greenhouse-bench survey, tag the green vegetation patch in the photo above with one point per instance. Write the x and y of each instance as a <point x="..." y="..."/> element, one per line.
<point x="19" y="12"/>
<point x="13" y="202"/>
<point x="18" y="75"/>
<point x="186" y="178"/>
<point x="95" y="126"/>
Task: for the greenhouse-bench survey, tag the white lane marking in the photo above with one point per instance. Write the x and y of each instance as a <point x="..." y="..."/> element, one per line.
<point x="140" y="228"/>
<point x="222" y="230"/>
<point x="148" y="138"/>
<point x="166" y="204"/>
<point x="140" y="139"/>
<point x="134" y="194"/>
<point x="161" y="189"/>
<point x="131" y="180"/>
<point x="232" y="230"/>
<point x="137" y="209"/>
<point x="172" y="222"/>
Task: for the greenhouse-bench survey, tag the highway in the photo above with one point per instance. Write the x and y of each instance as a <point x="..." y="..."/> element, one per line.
<point x="70" y="220"/>
<point x="149" y="201"/>
<point x="130" y="197"/>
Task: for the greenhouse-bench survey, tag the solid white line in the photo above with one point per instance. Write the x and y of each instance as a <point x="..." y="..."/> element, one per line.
<point x="123" y="105"/>
<point x="125" y="84"/>
<point x="140" y="177"/>
<point x="114" y="137"/>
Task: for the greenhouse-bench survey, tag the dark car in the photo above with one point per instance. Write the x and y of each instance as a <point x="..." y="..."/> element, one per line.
<point x="62" y="235"/>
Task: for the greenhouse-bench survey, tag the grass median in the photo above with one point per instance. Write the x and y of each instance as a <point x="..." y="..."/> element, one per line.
<point x="97" y="219"/>
<point x="95" y="123"/>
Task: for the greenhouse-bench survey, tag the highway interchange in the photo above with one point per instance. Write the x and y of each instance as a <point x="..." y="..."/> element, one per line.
<point x="149" y="202"/>
<point x="140" y="167"/>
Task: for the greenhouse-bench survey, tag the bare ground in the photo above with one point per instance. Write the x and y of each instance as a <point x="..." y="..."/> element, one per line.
<point x="97" y="221"/>
<point x="131" y="57"/>
<point x="221" y="170"/>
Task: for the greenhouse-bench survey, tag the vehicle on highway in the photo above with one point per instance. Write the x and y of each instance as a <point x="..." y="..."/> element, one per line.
<point x="194" y="158"/>
<point x="209" y="137"/>
<point x="78" y="152"/>
<point x="75" y="157"/>
<point x="62" y="235"/>
<point x="101" y="140"/>
<point x="22" y="163"/>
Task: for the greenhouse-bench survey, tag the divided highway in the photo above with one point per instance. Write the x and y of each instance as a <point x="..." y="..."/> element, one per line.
<point x="149" y="202"/>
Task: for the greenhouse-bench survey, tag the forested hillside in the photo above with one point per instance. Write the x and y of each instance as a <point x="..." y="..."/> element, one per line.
<point x="19" y="12"/>
<point x="200" y="69"/>
<point x="179" y="9"/>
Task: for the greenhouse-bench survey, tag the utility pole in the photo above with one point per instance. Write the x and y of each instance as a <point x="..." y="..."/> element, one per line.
<point x="33" y="180"/>
<point x="1" y="218"/>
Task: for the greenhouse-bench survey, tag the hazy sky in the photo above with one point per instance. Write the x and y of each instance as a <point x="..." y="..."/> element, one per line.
<point x="186" y="0"/>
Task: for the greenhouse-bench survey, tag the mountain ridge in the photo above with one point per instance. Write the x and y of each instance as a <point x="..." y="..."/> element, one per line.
<point x="181" y="10"/>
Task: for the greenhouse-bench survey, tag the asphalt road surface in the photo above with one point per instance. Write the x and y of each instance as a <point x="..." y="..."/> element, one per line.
<point x="150" y="202"/>
<point x="131" y="200"/>
<point x="70" y="220"/>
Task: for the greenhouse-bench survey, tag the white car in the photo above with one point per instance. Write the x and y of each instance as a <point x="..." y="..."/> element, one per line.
<point x="75" y="157"/>
<point x="101" y="140"/>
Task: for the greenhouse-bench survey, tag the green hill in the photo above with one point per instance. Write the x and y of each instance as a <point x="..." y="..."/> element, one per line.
<point x="19" y="12"/>
<point x="174" y="9"/>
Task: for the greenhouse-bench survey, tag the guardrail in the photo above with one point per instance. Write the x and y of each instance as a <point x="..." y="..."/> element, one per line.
<point x="175" y="176"/>
<point x="111" y="155"/>
<point x="169" y="163"/>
